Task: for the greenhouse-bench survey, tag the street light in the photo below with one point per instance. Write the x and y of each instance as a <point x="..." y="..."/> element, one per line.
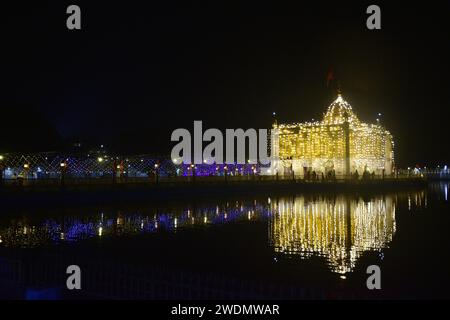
<point x="100" y="159"/>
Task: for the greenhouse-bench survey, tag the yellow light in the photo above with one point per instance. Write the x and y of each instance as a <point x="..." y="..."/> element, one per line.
<point x="321" y="146"/>
<point x="1" y="157"/>
<point x="26" y="166"/>
<point x="100" y="159"/>
<point x="62" y="164"/>
<point x="319" y="227"/>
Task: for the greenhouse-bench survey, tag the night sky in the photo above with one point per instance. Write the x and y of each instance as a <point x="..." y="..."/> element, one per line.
<point x="138" y="70"/>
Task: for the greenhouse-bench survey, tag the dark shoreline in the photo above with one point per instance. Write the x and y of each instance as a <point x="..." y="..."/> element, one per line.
<point x="85" y="195"/>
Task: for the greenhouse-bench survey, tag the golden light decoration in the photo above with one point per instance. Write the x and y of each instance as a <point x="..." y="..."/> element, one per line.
<point x="321" y="146"/>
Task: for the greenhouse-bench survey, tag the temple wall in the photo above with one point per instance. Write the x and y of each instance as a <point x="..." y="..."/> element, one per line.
<point x="370" y="149"/>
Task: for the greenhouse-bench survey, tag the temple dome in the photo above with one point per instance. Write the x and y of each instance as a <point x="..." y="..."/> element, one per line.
<point x="338" y="111"/>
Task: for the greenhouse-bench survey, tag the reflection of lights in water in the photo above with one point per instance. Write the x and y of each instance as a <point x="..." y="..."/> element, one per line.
<point x="300" y="227"/>
<point x="446" y="192"/>
<point x="339" y="230"/>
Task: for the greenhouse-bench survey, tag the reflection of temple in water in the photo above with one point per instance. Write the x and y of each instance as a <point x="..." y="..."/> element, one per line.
<point x="339" y="229"/>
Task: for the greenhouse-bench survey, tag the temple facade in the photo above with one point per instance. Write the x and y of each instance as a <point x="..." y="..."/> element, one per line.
<point x="340" y="145"/>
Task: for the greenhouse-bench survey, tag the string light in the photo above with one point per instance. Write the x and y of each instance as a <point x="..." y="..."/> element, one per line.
<point x="321" y="146"/>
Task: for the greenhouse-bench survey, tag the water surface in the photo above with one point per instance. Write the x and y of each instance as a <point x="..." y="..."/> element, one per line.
<point x="291" y="246"/>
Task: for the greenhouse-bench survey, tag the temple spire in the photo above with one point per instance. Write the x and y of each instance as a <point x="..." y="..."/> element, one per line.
<point x="339" y="91"/>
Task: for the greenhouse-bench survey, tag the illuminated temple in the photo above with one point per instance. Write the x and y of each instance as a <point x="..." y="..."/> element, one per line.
<point x="338" y="145"/>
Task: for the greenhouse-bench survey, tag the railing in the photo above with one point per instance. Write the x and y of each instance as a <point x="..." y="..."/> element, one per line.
<point x="54" y="169"/>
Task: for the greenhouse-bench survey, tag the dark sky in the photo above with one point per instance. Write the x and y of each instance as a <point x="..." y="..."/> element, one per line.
<point x="137" y="71"/>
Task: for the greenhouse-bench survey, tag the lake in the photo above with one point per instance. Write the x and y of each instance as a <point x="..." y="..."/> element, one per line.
<point x="292" y="246"/>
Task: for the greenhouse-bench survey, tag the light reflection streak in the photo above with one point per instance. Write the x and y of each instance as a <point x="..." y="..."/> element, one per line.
<point x="338" y="228"/>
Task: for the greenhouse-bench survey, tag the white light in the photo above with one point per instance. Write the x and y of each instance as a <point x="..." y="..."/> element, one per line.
<point x="100" y="159"/>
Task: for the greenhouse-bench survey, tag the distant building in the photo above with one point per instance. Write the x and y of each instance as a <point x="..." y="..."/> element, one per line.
<point x="338" y="145"/>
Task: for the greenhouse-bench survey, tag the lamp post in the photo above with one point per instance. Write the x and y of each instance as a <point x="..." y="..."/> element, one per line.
<point x="192" y="166"/>
<point x="156" y="173"/>
<point x="63" y="167"/>
<point x="1" y="169"/>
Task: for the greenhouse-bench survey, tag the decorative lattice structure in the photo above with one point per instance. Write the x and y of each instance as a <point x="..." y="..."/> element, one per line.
<point x="55" y="165"/>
